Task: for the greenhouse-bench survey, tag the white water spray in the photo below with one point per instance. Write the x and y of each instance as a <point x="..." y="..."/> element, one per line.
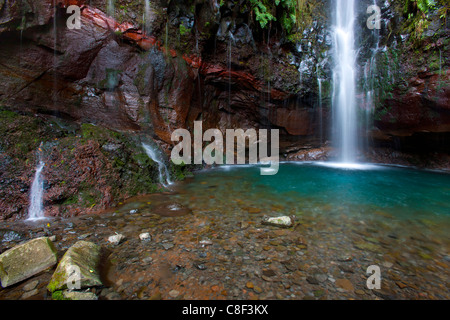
<point x="344" y="82"/>
<point x="36" y="209"/>
<point x="162" y="168"/>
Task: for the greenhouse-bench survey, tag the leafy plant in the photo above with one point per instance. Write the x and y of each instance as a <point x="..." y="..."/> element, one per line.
<point x="287" y="10"/>
<point x="417" y="14"/>
<point x="184" y="30"/>
<point x="262" y="12"/>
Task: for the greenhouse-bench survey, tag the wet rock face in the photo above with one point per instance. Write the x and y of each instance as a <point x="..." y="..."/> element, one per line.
<point x="211" y="63"/>
<point x="88" y="168"/>
<point x="95" y="75"/>
<point x="410" y="80"/>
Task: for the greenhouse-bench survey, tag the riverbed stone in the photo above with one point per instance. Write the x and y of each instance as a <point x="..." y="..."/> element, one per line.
<point x="116" y="239"/>
<point x="145" y="236"/>
<point x="282" y="222"/>
<point x="31" y="285"/>
<point x="345" y="284"/>
<point x="83" y="255"/>
<point x="77" y="295"/>
<point x="29" y="294"/>
<point x="26" y="260"/>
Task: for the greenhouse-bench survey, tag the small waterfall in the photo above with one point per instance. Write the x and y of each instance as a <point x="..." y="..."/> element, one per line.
<point x="166" y="37"/>
<point x="344" y="82"/>
<point x="155" y="155"/>
<point x="147" y="17"/>
<point x="110" y="10"/>
<point x="230" y="46"/>
<point x="319" y="83"/>
<point x="370" y="92"/>
<point x="36" y="209"/>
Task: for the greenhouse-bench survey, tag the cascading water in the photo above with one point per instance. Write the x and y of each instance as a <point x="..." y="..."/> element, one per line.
<point x="319" y="83"/>
<point x="110" y="8"/>
<point x="147" y="17"/>
<point x="36" y="209"/>
<point x="164" y="176"/>
<point x="344" y="82"/>
<point x="230" y="46"/>
<point x="370" y="71"/>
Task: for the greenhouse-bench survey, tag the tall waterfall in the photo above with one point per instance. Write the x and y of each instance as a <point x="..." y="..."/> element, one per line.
<point x="154" y="154"/>
<point x="344" y="82"/>
<point x="36" y="209"/>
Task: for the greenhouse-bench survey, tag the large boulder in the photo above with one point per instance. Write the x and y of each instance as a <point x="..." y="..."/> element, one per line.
<point x="83" y="256"/>
<point x="26" y="260"/>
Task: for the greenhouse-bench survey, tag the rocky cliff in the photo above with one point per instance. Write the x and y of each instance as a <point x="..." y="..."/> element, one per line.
<point x="90" y="93"/>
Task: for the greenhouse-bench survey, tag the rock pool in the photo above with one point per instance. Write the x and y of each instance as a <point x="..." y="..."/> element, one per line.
<point x="215" y="246"/>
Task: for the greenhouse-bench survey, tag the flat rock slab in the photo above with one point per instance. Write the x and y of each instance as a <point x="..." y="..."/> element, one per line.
<point x="26" y="260"/>
<point x="79" y="267"/>
<point x="75" y="295"/>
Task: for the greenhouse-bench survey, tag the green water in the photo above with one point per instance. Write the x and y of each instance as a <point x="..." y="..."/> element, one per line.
<point x="399" y="192"/>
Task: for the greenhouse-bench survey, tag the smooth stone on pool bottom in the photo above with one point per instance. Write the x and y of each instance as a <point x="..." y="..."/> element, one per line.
<point x="282" y="222"/>
<point x="116" y="239"/>
<point x="26" y="260"/>
<point x="145" y="236"/>
<point x="83" y="255"/>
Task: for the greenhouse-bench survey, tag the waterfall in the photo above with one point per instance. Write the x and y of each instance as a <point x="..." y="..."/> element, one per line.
<point x="36" y="209"/>
<point x="319" y="83"/>
<point x="147" y="17"/>
<point x="370" y="71"/>
<point x="344" y="83"/>
<point x="156" y="156"/>
<point x="110" y="8"/>
<point x="230" y="46"/>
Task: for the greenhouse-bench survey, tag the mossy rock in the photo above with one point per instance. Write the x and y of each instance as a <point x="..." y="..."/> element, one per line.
<point x="26" y="260"/>
<point x="83" y="256"/>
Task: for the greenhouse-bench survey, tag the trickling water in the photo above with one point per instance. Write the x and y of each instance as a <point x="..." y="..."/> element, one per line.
<point x="230" y="44"/>
<point x="166" y="38"/>
<point x="110" y="8"/>
<point x="36" y="209"/>
<point x="147" y="13"/>
<point x="370" y="71"/>
<point x="344" y="83"/>
<point x="319" y="82"/>
<point x="164" y="176"/>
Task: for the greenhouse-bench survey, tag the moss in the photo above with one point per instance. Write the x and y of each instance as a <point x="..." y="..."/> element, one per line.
<point x="6" y="114"/>
<point x="71" y="200"/>
<point x="112" y="79"/>
<point x="57" y="282"/>
<point x="142" y="159"/>
<point x="58" y="295"/>
<point x="184" y="30"/>
<point x="98" y="133"/>
<point x="140" y="80"/>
